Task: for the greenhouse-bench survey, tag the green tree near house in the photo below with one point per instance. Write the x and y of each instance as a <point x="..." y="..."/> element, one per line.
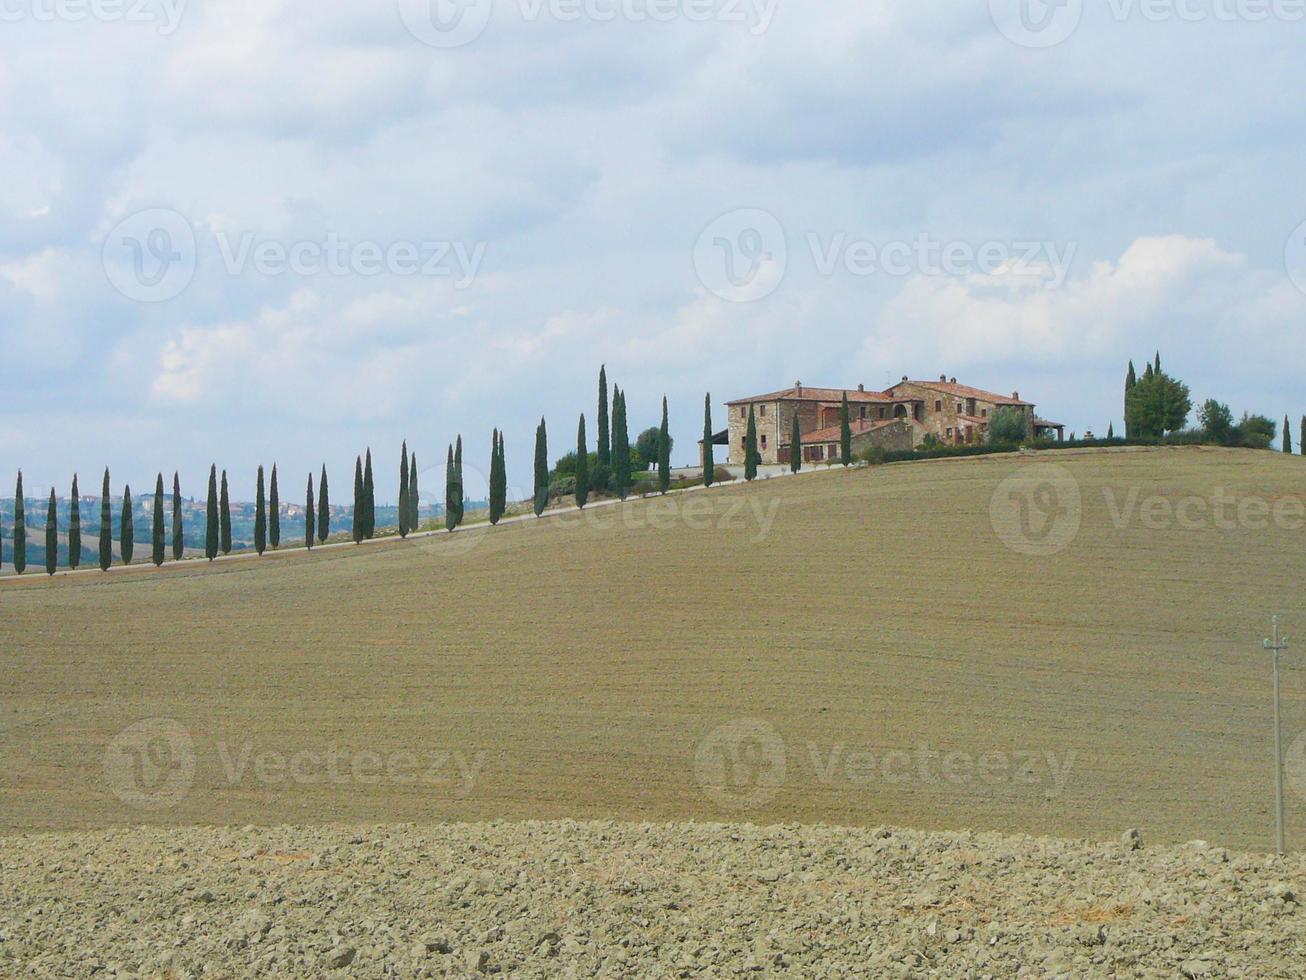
<point x="1007" y="427"/>
<point x="540" y="498"/>
<point x="582" y="465"/>
<point x="360" y="502"/>
<point x="845" y="433"/>
<point x="127" y="528"/>
<point x="323" y="508"/>
<point x="708" y="462"/>
<point x="795" y="446"/>
<point x="1216" y="421"/>
<point x="260" y="514"/>
<point x="750" y="447"/>
<point x="403" y="490"/>
<point x="178" y="521"/>
<point x="274" y="511"/>
<point x="106" y="525"/>
<point x="369" y="497"/>
<point x="620" y="445"/>
<point x="1287" y="436"/>
<point x="414" y="496"/>
<point x="75" y="527"/>
<point x="1157" y="404"/>
<point x="604" y="447"/>
<point x="20" y="528"/>
<point x="664" y="451"/>
<point x="309" y="504"/>
<point x="211" y="516"/>
<point x="224" y="516"/>
<point x="158" y="534"/>
<point x="52" y="536"/>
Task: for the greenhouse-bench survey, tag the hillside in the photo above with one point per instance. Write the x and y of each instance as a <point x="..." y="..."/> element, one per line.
<point x="856" y="648"/>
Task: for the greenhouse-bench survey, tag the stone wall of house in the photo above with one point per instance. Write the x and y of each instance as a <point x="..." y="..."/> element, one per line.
<point x="943" y="411"/>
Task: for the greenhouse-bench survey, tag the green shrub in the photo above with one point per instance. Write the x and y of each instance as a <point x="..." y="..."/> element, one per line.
<point x="873" y="455"/>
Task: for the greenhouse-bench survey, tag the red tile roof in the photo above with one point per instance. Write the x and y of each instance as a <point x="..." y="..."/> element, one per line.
<point x="833" y="433"/>
<point x="809" y="394"/>
<point x="965" y="391"/>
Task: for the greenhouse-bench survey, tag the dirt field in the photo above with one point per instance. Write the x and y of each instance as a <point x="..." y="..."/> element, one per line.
<point x="857" y="648"/>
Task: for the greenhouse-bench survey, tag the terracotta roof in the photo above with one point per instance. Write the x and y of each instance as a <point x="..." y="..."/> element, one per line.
<point x="1045" y="422"/>
<point x="833" y="433"/>
<point x="966" y="391"/>
<point x="809" y="394"/>
<point x="975" y="419"/>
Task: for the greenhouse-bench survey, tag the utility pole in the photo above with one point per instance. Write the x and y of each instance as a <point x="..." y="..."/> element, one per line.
<point x="1277" y="645"/>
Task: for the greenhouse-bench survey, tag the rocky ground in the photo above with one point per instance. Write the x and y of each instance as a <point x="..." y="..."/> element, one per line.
<point x="583" y="899"/>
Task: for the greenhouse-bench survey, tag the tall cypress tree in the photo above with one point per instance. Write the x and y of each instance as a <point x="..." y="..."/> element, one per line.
<point x="459" y="497"/>
<point x="707" y="440"/>
<point x="403" y="490"/>
<point x="1157" y="370"/>
<point x="1287" y="435"/>
<point x="178" y="521"/>
<point x="158" y="537"/>
<point x="360" y="522"/>
<point x="1301" y="437"/>
<point x="414" y="496"/>
<point x="224" y="516"/>
<point x="369" y="497"/>
<point x="127" y="527"/>
<point x="541" y="498"/>
<point x="75" y="528"/>
<point x="260" y="515"/>
<point x="211" y="516"/>
<point x="274" y="511"/>
<point x="582" y="465"/>
<point x="795" y="447"/>
<point x="51" y="536"/>
<point x="1110" y="430"/>
<point x="20" y="529"/>
<point x="1131" y="379"/>
<point x="309" y="505"/>
<point x="496" y="478"/>
<point x="750" y="447"/>
<point x="664" y="451"/>
<point x="323" y="508"/>
<point x="845" y="434"/>
<point x="620" y="444"/>
<point x="106" y="526"/>
<point x="604" y="447"/>
<point x="450" y="510"/>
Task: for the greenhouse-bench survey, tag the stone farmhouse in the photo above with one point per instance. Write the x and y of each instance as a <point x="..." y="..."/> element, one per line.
<point x="897" y="418"/>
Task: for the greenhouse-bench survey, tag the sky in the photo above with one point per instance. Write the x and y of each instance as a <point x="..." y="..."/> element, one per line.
<point x="260" y="231"/>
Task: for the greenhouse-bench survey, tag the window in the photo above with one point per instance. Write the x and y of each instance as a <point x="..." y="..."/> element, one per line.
<point x="762" y="411"/>
<point x="959" y="409"/>
<point x="763" y="442"/>
<point x="743" y="411"/>
<point x="984" y="413"/>
<point x="938" y="406"/>
<point x="862" y="412"/>
<point x="949" y="433"/>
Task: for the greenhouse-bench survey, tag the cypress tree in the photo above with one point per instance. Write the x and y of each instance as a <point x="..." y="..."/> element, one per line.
<point x="323" y="508"/>
<point x="211" y="521"/>
<point x="620" y="444"/>
<point x="414" y="499"/>
<point x="158" y="538"/>
<point x="708" y="462"/>
<point x="1110" y="430"/>
<point x="274" y="511"/>
<point x="360" y="521"/>
<point x="664" y="451"/>
<point x="450" y="509"/>
<point x="1148" y="374"/>
<point x="20" y="529"/>
<point x="582" y="465"/>
<point x="75" y="528"/>
<point x="541" y="499"/>
<point x="503" y="475"/>
<point x="845" y="434"/>
<point x="459" y="498"/>
<point x="224" y="516"/>
<point x="51" y="536"/>
<point x="369" y="497"/>
<point x="1131" y="379"/>
<point x="309" y="505"/>
<point x="127" y="531"/>
<point x="260" y="515"/>
<point x="178" y="522"/>
<point x="106" y="526"/>
<point x="497" y="478"/>
<point x="1301" y="437"/>
<point x="750" y="447"/>
<point x="604" y="447"/>
<point x="403" y="490"/>
<point x="795" y="447"/>
<point x="1157" y="371"/>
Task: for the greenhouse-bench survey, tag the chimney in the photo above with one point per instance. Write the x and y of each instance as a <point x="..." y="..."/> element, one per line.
<point x="954" y="380"/>
<point x="799" y="386"/>
<point x="861" y="387"/>
<point x="904" y="377"/>
<point x="943" y="378"/>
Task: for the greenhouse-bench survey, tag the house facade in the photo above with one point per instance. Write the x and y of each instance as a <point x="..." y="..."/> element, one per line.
<point x="900" y="417"/>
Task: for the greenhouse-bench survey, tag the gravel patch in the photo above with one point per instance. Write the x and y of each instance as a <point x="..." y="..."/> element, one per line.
<point x="548" y="899"/>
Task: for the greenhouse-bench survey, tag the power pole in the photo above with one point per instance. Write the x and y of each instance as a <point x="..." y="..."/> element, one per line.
<point x="1277" y="645"/>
